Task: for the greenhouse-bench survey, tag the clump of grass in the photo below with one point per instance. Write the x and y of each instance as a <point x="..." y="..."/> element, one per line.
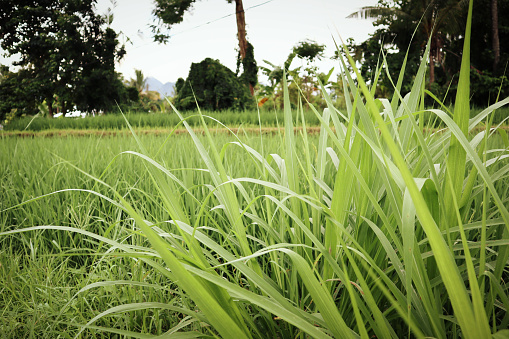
<point x="377" y="229"/>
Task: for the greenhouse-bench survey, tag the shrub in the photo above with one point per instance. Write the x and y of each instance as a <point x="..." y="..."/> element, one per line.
<point x="214" y="86"/>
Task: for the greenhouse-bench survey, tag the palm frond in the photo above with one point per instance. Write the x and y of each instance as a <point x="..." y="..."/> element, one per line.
<point x="375" y="12"/>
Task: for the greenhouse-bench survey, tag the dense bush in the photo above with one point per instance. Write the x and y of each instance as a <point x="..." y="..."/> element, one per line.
<point x="214" y="86"/>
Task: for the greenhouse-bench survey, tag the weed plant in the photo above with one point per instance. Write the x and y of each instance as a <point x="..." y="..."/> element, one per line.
<point x="376" y="229"/>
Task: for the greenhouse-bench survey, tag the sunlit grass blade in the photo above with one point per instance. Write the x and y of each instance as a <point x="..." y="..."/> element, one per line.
<point x="457" y="156"/>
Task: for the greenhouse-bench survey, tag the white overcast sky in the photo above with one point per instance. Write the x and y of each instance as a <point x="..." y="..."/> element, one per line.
<point x="273" y="28"/>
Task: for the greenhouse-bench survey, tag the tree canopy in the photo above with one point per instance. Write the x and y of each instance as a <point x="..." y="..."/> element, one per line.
<point x="17" y="93"/>
<point x="309" y="50"/>
<point x="64" y="51"/>
<point x="441" y="22"/>
<point x="213" y="86"/>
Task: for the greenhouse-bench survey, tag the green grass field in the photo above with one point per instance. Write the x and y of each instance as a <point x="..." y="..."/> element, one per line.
<point x="376" y="226"/>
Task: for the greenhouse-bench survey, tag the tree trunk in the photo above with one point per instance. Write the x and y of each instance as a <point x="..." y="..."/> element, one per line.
<point x="241" y="33"/>
<point x="494" y="34"/>
<point x="241" y="28"/>
<point x="431" y="69"/>
<point x="432" y="57"/>
<point x="49" y="102"/>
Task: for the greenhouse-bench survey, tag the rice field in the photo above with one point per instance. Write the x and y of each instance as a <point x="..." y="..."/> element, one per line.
<point x="114" y="123"/>
<point x="166" y="120"/>
<point x="374" y="227"/>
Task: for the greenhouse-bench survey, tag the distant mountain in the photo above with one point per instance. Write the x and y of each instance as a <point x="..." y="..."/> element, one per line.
<point x="167" y="89"/>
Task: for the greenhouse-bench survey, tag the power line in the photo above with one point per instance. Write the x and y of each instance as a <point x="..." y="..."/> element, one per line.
<point x="221" y="18"/>
<point x="205" y="24"/>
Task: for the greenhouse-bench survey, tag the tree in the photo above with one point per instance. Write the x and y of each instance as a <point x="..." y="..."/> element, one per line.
<point x="494" y="32"/>
<point x="436" y="19"/>
<point x="489" y="35"/>
<point x="148" y="100"/>
<point x="309" y="50"/>
<point x="61" y="44"/>
<point x="213" y="86"/>
<point x="139" y="81"/>
<point x="442" y="24"/>
<point x="17" y="93"/>
<point x="249" y="75"/>
<point x="305" y="80"/>
<point x="172" y="12"/>
<point x="99" y="87"/>
<point x="4" y="71"/>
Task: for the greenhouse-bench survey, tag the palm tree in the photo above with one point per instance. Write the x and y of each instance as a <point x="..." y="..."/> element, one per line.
<point x="437" y="20"/>
<point x="139" y="82"/>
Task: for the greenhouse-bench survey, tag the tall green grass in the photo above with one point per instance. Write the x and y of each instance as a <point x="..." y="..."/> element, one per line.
<point x="375" y="229"/>
<point x="42" y="271"/>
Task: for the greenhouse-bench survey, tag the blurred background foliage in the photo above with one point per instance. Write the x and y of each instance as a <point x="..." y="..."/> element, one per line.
<point x="64" y="80"/>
